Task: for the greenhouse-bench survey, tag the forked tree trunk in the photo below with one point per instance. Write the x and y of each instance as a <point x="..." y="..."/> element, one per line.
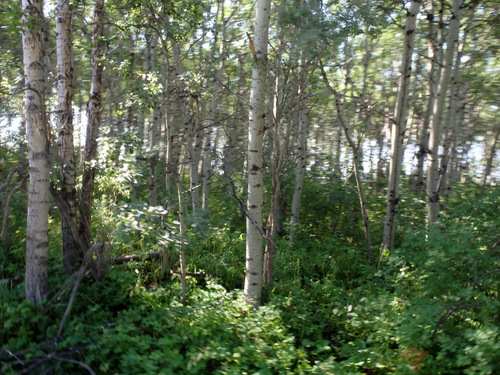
<point x="257" y="118"/>
<point x="37" y="131"/>
<point x="72" y="254"/>
<point x="399" y="129"/>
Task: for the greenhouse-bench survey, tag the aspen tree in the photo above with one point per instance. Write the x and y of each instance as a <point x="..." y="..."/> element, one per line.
<point x="72" y="254"/>
<point x="37" y="131"/>
<point x="93" y="118"/>
<point x="399" y="128"/>
<point x="432" y="186"/>
<point x="255" y="183"/>
<point x="300" y="169"/>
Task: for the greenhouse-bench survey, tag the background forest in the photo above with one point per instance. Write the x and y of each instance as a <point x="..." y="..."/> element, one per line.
<point x="249" y="187"/>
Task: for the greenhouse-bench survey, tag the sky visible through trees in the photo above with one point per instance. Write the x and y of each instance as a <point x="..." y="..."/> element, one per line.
<point x="359" y="134"/>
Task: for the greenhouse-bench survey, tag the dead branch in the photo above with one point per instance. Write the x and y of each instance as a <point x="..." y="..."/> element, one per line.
<point x="87" y="262"/>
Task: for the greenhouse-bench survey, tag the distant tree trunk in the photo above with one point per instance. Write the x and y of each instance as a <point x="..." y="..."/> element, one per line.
<point x="93" y="118"/>
<point x="273" y="220"/>
<point x="300" y="169"/>
<point x="399" y="129"/>
<point x="72" y="254"/>
<point x="432" y="187"/>
<point x="489" y="157"/>
<point x="257" y="119"/>
<point x="37" y="131"/>
<point x="434" y="53"/>
<point x="356" y="162"/>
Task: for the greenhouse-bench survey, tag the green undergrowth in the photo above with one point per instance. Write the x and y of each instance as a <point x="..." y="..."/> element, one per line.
<point x="431" y="308"/>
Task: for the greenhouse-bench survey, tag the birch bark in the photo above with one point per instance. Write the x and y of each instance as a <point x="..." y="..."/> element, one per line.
<point x="72" y="254"/>
<point x="432" y="187"/>
<point x="399" y="128"/>
<point x="255" y="183"/>
<point x="300" y="168"/>
<point x="37" y="132"/>
<point x="93" y="117"/>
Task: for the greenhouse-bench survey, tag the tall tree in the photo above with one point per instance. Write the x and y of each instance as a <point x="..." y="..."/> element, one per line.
<point x="37" y="130"/>
<point x="72" y="254"/>
<point x="300" y="169"/>
<point x="399" y="128"/>
<point x="255" y="185"/>
<point x="93" y="118"/>
<point x="433" y="173"/>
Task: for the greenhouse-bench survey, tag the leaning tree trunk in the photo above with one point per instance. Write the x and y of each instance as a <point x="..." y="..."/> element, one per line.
<point x="37" y="132"/>
<point x="433" y="168"/>
<point x="93" y="117"/>
<point x="399" y="129"/>
<point x="72" y="254"/>
<point x="257" y="114"/>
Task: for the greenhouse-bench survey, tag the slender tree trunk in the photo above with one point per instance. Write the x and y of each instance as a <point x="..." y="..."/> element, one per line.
<point x="93" y="117"/>
<point x="356" y="162"/>
<point x="257" y="119"/>
<point x="434" y="55"/>
<point x="432" y="187"/>
<point x="399" y="129"/>
<point x="300" y="169"/>
<point x="182" y="232"/>
<point x="276" y="165"/>
<point x="72" y="254"/>
<point x="489" y="157"/>
<point x="37" y="131"/>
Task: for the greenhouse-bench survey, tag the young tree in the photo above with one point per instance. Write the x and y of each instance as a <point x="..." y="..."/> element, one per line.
<point x="255" y="185"/>
<point x="37" y="130"/>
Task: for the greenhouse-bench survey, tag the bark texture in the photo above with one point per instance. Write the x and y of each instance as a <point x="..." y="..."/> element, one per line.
<point x="37" y="245"/>
<point x="255" y="187"/>
<point x="433" y="167"/>
<point x="72" y="254"/>
<point x="93" y="116"/>
<point x="399" y="129"/>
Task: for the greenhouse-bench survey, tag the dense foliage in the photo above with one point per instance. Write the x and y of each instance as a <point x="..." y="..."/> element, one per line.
<point x="432" y="307"/>
<point x="167" y="193"/>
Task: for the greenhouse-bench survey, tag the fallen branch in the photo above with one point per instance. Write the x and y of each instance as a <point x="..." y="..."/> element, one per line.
<point x="133" y="258"/>
<point x="87" y="261"/>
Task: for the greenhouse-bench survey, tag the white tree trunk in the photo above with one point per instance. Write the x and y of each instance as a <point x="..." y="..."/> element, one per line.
<point x="432" y="187"/>
<point x="257" y="119"/>
<point x="37" y="131"/>
<point x="399" y="128"/>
